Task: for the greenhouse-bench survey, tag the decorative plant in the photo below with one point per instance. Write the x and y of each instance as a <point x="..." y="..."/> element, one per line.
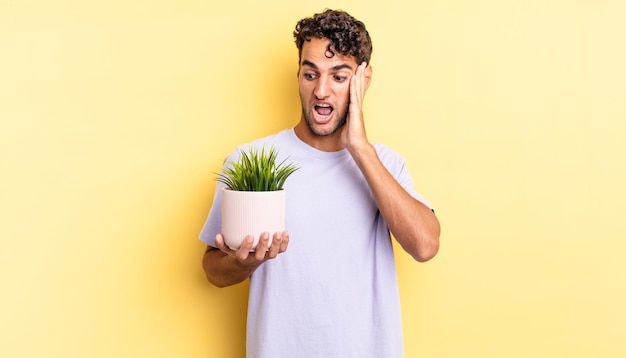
<point x="256" y="170"/>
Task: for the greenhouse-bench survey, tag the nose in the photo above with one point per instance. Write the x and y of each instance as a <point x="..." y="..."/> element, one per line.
<point x="322" y="89"/>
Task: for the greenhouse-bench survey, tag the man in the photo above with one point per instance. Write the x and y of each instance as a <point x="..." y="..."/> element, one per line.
<point x="327" y="287"/>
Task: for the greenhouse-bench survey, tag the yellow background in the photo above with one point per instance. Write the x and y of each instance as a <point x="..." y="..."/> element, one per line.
<point x="115" y="115"/>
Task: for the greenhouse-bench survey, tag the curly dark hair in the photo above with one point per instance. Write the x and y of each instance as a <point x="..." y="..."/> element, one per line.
<point x="346" y="34"/>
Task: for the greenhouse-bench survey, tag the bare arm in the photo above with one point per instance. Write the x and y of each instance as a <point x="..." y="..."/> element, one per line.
<point x="414" y="225"/>
<point x="225" y="267"/>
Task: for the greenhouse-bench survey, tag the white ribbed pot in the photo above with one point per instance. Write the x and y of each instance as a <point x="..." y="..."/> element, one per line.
<point x="251" y="213"/>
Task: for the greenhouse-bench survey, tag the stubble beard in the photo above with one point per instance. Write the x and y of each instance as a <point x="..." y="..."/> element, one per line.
<point x="342" y="119"/>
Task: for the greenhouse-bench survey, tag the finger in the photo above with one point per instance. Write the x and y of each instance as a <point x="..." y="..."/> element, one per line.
<point x="244" y="250"/>
<point x="275" y="248"/>
<point x="361" y="80"/>
<point x="284" y="242"/>
<point x="262" y="246"/>
<point x="357" y="84"/>
<point x="219" y="243"/>
<point x="362" y="68"/>
<point x="368" y="74"/>
<point x="354" y="96"/>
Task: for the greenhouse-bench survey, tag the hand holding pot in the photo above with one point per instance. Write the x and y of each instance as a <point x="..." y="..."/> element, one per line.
<point x="265" y="249"/>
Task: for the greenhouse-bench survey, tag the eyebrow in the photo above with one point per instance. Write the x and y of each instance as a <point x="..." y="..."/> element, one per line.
<point x="334" y="68"/>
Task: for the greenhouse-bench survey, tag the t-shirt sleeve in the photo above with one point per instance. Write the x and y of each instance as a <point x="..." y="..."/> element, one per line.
<point x="213" y="224"/>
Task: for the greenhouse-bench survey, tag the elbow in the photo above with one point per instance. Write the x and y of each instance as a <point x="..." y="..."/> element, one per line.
<point x="209" y="272"/>
<point x="426" y="239"/>
<point x="424" y="254"/>
<point x="214" y="282"/>
<point x="217" y="280"/>
<point x="428" y="247"/>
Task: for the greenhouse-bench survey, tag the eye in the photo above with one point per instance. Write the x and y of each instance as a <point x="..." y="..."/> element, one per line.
<point x="309" y="75"/>
<point x="339" y="78"/>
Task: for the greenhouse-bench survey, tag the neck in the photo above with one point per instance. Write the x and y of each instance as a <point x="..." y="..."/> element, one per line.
<point x="325" y="143"/>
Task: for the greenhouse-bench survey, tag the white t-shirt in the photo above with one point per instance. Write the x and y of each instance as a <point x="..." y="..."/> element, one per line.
<point x="334" y="292"/>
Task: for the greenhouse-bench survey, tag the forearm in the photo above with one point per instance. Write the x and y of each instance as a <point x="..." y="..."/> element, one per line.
<point x="414" y="225"/>
<point x="223" y="270"/>
<point x="224" y="266"/>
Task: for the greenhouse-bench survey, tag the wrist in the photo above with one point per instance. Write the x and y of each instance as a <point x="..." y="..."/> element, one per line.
<point x="249" y="264"/>
<point x="362" y="151"/>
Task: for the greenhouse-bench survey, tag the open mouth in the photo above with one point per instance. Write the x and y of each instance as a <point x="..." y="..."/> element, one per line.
<point x="323" y="109"/>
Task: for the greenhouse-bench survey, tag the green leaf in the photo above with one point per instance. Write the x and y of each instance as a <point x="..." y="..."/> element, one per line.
<point x="256" y="170"/>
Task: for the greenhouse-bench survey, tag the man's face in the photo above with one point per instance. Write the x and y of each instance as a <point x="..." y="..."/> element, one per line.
<point x="324" y="85"/>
